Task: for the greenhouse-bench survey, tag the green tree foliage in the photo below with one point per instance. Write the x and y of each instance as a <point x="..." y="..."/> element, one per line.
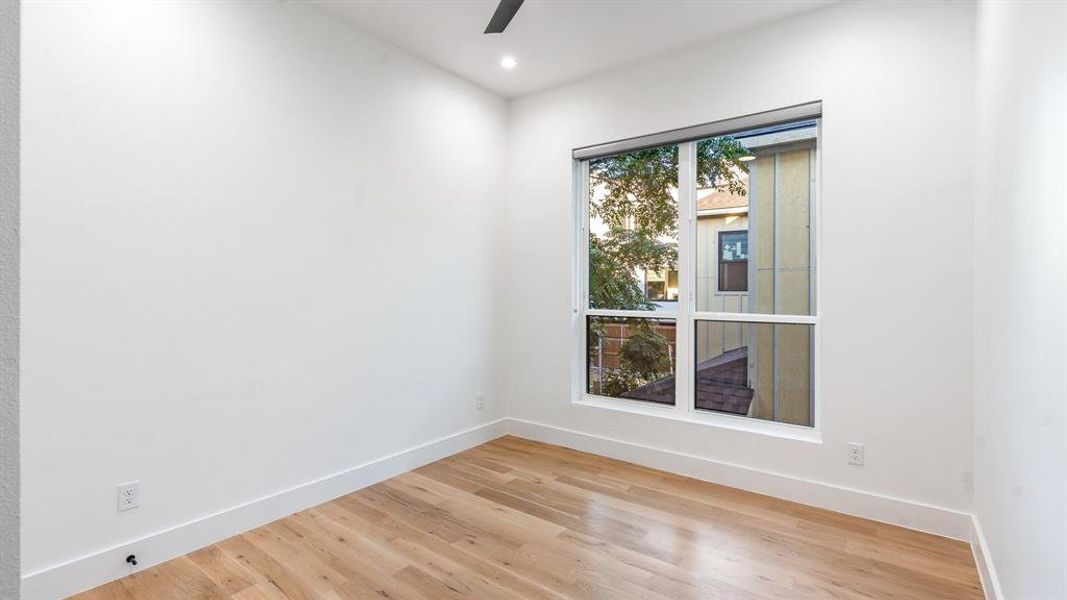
<point x="612" y="262"/>
<point x="645" y="352"/>
<point x="638" y="205"/>
<point x="633" y="195"/>
<point x="719" y="162"/>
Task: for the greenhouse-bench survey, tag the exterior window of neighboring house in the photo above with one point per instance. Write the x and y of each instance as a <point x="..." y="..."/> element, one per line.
<point x="731" y="330"/>
<point x="733" y="261"/>
<point x="661" y="286"/>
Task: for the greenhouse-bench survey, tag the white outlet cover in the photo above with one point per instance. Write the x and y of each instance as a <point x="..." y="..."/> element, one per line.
<point x="129" y="495"/>
<point x="855" y="453"/>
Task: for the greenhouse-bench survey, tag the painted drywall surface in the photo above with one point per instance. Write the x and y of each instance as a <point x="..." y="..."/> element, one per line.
<point x="896" y="236"/>
<point x="1020" y="296"/>
<point x="257" y="251"/>
<point x="9" y="300"/>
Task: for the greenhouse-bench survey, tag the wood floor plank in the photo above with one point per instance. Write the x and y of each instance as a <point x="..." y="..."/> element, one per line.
<point x="227" y="573"/>
<point x="259" y="591"/>
<point x="181" y="581"/>
<point x="477" y="555"/>
<point x="519" y="520"/>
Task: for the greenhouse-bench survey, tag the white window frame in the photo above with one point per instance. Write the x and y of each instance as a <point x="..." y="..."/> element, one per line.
<point x="683" y="314"/>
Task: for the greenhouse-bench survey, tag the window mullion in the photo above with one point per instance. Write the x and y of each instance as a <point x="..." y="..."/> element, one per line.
<point x="684" y="400"/>
<point x="755" y="318"/>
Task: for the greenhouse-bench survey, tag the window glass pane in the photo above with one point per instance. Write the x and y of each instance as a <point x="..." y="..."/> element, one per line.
<point x="733" y="276"/>
<point x="631" y="358"/>
<point x="633" y="230"/>
<point x="758" y="370"/>
<point x="754" y="221"/>
<point x="733" y="245"/>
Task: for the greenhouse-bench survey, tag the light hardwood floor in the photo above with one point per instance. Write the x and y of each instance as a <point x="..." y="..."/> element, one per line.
<point x="519" y="519"/>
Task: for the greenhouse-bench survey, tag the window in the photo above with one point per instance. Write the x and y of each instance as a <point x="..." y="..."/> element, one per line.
<point x="661" y="285"/>
<point x="733" y="261"/>
<point x="697" y="253"/>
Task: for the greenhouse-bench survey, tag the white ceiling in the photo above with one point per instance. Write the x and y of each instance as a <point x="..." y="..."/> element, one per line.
<point x="554" y="41"/>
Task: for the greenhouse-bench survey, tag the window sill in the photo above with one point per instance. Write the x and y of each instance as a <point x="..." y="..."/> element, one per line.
<point x="707" y="419"/>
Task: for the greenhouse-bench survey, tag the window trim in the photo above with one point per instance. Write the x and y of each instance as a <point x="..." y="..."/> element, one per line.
<point x="767" y="118"/>
<point x="702" y="418"/>
<point x="684" y="408"/>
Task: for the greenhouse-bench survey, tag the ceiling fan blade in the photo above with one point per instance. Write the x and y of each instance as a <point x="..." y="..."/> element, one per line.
<point x="503" y="15"/>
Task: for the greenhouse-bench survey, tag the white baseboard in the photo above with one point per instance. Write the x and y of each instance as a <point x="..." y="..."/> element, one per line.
<point x="905" y="513"/>
<point x="86" y="572"/>
<point x="71" y="577"/>
<point x="984" y="561"/>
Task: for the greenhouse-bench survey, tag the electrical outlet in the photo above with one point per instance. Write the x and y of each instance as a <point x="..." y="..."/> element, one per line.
<point x="479" y="401"/>
<point x="129" y="495"/>
<point x="855" y="453"/>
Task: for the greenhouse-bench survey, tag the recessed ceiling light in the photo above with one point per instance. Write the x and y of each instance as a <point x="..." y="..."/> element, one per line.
<point x="509" y="62"/>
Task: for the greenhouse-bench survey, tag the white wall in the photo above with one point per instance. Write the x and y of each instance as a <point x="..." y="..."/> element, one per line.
<point x="9" y="300"/>
<point x="1021" y="295"/>
<point x="257" y="251"/>
<point x="896" y="234"/>
<point x="260" y="248"/>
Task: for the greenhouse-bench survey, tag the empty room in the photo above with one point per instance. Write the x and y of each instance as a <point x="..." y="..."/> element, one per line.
<point x="533" y="300"/>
